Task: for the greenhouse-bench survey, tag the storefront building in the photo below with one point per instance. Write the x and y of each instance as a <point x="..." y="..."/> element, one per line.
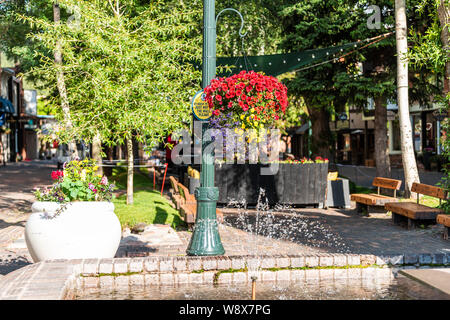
<point x="355" y="139"/>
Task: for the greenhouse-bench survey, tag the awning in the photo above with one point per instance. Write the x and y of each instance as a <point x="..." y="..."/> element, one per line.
<point x="6" y="106"/>
<point x="302" y="129"/>
<point x="277" y="64"/>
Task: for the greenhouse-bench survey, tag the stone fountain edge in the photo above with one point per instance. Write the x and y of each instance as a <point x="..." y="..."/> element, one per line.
<point x="59" y="279"/>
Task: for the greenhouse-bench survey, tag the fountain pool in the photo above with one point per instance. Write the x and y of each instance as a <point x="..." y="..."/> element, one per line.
<point x="398" y="288"/>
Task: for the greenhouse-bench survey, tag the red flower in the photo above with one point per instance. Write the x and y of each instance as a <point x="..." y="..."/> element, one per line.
<point x="264" y="94"/>
<point x="57" y="174"/>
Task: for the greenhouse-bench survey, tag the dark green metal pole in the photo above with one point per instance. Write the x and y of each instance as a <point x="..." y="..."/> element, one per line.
<point x="205" y="240"/>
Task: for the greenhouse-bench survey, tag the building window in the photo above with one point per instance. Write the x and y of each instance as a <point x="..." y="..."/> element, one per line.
<point x="417" y="134"/>
<point x="396" y="144"/>
<point x="394" y="137"/>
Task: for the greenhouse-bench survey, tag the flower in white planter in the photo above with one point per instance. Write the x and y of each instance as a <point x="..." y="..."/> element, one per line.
<point x="74" y="218"/>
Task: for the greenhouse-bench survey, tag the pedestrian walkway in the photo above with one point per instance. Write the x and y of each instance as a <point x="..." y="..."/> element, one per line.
<point x="17" y="182"/>
<point x="287" y="232"/>
<point x="363" y="176"/>
<point x="13" y="251"/>
<point x="307" y="231"/>
<point x="438" y="278"/>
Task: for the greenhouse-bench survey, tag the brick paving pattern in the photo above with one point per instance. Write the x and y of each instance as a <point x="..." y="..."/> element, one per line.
<point x="307" y="231"/>
<point x="17" y="181"/>
<point x="292" y="232"/>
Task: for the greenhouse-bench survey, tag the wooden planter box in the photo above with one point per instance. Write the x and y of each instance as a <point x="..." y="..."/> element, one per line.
<point x="293" y="184"/>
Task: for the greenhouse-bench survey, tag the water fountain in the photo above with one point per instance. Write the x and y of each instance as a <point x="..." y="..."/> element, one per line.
<point x="279" y="227"/>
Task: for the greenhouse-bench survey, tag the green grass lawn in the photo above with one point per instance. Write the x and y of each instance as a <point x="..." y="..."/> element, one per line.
<point x="425" y="200"/>
<point x="149" y="206"/>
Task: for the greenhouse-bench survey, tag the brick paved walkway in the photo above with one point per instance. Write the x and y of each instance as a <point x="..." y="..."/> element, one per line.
<point x="12" y="258"/>
<point x="297" y="231"/>
<point x="308" y="231"/>
<point x="17" y="181"/>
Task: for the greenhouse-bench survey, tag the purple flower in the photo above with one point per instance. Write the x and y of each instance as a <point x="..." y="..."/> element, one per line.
<point x="91" y="186"/>
<point x="104" y="180"/>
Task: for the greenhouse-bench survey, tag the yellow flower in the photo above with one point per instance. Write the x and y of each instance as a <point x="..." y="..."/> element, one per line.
<point x="243" y="126"/>
<point x="242" y="117"/>
<point x="95" y="168"/>
<point x="252" y="110"/>
<point x="83" y="175"/>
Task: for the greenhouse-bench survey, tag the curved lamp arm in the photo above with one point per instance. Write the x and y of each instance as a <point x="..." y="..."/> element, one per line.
<point x="240" y="15"/>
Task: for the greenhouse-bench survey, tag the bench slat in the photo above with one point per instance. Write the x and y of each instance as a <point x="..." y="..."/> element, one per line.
<point x="372" y="199"/>
<point x="174" y="184"/>
<point x="443" y="219"/>
<point x="428" y="190"/>
<point x="413" y="210"/>
<point x="189" y="207"/>
<point x="387" y="183"/>
<point x="185" y="193"/>
<point x="189" y="212"/>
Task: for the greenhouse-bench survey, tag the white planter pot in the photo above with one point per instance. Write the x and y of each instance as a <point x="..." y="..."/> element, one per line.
<point x="82" y="230"/>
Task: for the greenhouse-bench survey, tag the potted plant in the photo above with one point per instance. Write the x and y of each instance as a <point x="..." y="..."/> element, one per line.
<point x="74" y="218"/>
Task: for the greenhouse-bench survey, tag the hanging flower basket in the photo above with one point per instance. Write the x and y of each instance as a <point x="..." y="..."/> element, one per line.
<point x="247" y="100"/>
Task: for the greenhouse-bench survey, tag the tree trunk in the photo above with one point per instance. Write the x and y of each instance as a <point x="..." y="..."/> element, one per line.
<point x="382" y="161"/>
<point x="444" y="18"/>
<point x="408" y="158"/>
<point x="60" y="81"/>
<point x="321" y="134"/>
<point x="130" y="171"/>
<point x="97" y="152"/>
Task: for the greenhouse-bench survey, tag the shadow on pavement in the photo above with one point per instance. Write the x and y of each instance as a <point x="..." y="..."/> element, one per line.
<point x="342" y="231"/>
<point x="10" y="265"/>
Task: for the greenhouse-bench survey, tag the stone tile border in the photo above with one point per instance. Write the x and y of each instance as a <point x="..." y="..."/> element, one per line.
<point x="58" y="279"/>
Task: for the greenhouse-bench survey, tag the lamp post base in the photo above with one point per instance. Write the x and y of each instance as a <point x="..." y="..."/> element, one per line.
<point x="205" y="240"/>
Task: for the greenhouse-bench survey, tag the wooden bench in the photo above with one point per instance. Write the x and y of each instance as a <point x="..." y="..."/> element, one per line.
<point x="444" y="219"/>
<point x="376" y="201"/>
<point x="416" y="213"/>
<point x="188" y="207"/>
<point x="176" y="197"/>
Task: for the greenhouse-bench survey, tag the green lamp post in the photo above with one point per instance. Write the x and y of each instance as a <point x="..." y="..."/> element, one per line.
<point x="205" y="240"/>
